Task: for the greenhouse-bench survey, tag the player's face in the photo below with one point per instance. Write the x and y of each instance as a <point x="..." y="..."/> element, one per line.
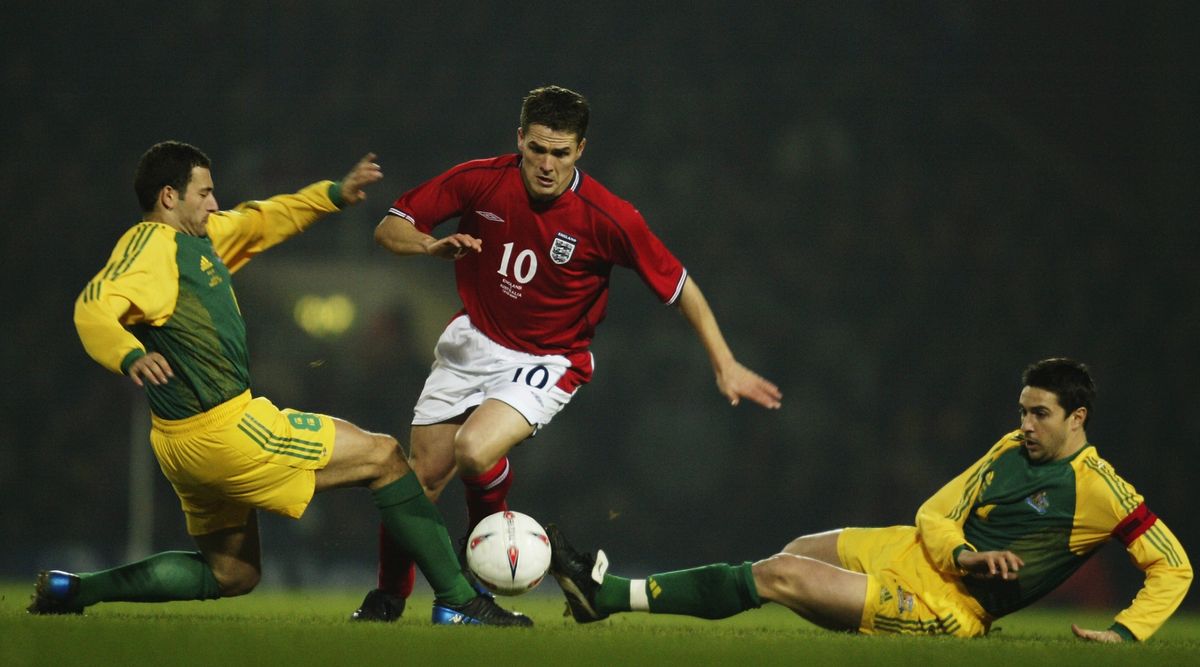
<point x="547" y="160"/>
<point x="197" y="203"/>
<point x="1050" y="433"/>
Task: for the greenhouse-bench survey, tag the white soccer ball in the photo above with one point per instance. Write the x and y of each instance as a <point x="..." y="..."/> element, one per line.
<point x="509" y="553"/>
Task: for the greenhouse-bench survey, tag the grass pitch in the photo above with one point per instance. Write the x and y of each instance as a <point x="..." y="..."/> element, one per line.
<point x="310" y="628"/>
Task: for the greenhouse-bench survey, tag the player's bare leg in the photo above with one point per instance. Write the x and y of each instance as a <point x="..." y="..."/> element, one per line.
<point x="432" y="456"/>
<point x="361" y="458"/>
<point x="471" y="445"/>
<point x="235" y="557"/>
<point x="432" y="461"/>
<point x="411" y="521"/>
<point x="820" y="546"/>
<point x="819" y="592"/>
<point x="488" y="435"/>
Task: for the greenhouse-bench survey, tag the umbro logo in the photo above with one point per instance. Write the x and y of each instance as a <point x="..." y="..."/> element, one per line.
<point x="488" y="215"/>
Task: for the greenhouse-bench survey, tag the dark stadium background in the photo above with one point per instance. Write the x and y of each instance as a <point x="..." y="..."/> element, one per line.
<point x="892" y="208"/>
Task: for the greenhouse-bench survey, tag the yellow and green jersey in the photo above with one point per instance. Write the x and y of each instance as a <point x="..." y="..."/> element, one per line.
<point x="167" y="292"/>
<point x="1053" y="516"/>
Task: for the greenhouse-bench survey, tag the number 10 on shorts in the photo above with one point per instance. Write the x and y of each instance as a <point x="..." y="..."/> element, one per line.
<point x="535" y="377"/>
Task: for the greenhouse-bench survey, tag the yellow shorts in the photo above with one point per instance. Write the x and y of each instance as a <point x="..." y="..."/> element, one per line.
<point x="243" y="454"/>
<point x="906" y="594"/>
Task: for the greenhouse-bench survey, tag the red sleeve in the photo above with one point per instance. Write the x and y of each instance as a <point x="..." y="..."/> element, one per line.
<point x="438" y="199"/>
<point x="634" y="246"/>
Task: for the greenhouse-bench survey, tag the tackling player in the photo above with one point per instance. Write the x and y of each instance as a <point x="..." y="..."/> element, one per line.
<point x="997" y="538"/>
<point x="163" y="312"/>
<point x="536" y="242"/>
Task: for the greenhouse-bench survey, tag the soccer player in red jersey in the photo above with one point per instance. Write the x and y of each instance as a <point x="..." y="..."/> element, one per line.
<point x="536" y="243"/>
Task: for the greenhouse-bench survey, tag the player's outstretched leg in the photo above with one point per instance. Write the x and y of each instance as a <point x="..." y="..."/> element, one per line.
<point x="166" y="576"/>
<point x="579" y="575"/>
<point x="417" y="527"/>
<point x="54" y="592"/>
<point x="710" y="591"/>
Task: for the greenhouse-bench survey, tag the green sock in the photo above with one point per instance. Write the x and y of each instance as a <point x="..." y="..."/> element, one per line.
<point x="415" y="526"/>
<point x="712" y="591"/>
<point x="613" y="595"/>
<point x="171" y="575"/>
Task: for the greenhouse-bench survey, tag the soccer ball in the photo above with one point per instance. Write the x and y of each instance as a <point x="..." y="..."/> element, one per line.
<point x="509" y="553"/>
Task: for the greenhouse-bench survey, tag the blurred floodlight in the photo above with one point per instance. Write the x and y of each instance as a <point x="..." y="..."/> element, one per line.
<point x="324" y="316"/>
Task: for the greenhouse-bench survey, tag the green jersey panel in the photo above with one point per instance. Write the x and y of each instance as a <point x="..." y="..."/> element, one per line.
<point x="1028" y="509"/>
<point x="204" y="340"/>
<point x="167" y="292"/>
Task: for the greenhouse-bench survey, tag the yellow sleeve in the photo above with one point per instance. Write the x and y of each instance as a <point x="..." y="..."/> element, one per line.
<point x="1111" y="505"/>
<point x="940" y="519"/>
<point x="254" y="226"/>
<point x="1160" y="556"/>
<point x="139" y="284"/>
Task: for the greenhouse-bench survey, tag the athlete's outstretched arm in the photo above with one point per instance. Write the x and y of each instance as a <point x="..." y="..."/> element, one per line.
<point x="364" y="172"/>
<point x="734" y="380"/>
<point x="402" y="238"/>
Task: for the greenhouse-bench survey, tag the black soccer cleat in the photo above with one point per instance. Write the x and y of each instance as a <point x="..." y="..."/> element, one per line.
<point x="54" y="593"/>
<point x="380" y="606"/>
<point x="479" y="610"/>
<point x="579" y="575"/>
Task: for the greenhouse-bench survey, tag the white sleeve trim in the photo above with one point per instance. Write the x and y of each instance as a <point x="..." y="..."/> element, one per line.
<point x="678" y="288"/>
<point x="401" y="214"/>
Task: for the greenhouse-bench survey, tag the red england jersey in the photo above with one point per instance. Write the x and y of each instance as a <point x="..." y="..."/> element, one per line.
<point x="540" y="285"/>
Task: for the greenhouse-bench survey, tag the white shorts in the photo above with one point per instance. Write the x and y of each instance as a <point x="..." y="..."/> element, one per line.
<point x="469" y="367"/>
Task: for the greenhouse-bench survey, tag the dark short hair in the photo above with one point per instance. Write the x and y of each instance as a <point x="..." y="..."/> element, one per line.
<point x="166" y="163"/>
<point x="557" y="108"/>
<point x="1067" y="379"/>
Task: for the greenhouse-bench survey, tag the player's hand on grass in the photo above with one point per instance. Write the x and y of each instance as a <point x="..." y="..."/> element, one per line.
<point x="737" y="382"/>
<point x="453" y="246"/>
<point x="362" y="174"/>
<point x="152" y="368"/>
<point x="990" y="564"/>
<point x="1102" y="636"/>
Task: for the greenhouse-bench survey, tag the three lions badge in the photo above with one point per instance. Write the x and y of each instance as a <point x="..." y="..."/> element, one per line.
<point x="562" y="248"/>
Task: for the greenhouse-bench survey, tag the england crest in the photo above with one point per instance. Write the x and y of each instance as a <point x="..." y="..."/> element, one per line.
<point x="562" y="248"/>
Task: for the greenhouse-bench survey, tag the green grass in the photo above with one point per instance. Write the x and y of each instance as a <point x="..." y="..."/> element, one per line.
<point x="310" y="628"/>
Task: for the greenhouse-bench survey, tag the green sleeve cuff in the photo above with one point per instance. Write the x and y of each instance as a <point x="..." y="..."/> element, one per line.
<point x="335" y="194"/>
<point x="133" y="356"/>
<point x="957" y="550"/>
<point x="1126" y="635"/>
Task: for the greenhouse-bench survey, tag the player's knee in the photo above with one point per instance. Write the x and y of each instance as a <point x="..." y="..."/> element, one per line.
<point x="387" y="457"/>
<point x="472" y="454"/>
<point x="818" y="546"/>
<point x="237" y="580"/>
<point x="779" y="577"/>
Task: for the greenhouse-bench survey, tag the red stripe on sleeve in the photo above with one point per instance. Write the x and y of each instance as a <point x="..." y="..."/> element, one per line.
<point x="1132" y="526"/>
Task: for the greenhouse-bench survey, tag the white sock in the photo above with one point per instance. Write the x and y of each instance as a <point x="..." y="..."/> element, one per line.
<point x="637" y="595"/>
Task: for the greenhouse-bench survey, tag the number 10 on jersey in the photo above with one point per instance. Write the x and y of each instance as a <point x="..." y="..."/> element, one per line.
<point x="523" y="268"/>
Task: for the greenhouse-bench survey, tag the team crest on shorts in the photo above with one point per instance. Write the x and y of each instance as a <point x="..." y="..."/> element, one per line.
<point x="562" y="248"/>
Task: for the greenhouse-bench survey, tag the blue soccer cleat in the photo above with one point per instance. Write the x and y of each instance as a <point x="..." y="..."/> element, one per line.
<point x="54" y="593"/>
